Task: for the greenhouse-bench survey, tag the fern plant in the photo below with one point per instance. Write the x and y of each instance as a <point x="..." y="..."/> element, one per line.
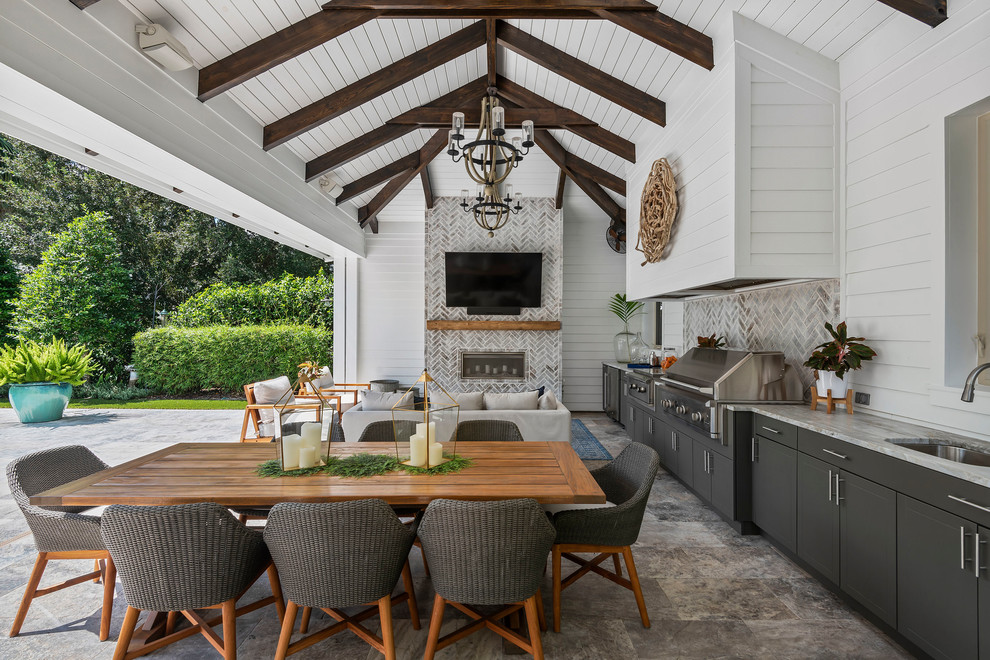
<point x="31" y="362"/>
<point x="626" y="310"/>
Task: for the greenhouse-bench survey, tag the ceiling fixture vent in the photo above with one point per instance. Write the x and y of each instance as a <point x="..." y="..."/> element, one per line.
<point x="157" y="43"/>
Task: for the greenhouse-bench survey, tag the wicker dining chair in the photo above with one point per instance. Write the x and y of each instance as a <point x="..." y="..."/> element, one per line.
<point x="383" y="431"/>
<point x="183" y="558"/>
<point x="337" y="555"/>
<point x="609" y="531"/>
<point x="483" y="554"/>
<point x="60" y="532"/>
<point x="488" y="430"/>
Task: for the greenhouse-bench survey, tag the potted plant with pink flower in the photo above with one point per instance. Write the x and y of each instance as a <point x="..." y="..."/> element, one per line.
<point x="834" y="358"/>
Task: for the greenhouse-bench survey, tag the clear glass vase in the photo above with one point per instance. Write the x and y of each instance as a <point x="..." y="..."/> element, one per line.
<point x="622" y="343"/>
<point x="639" y="352"/>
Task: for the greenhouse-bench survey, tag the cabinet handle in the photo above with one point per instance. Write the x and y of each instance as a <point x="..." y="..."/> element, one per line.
<point x="767" y="428"/>
<point x="650" y="424"/>
<point x="706" y="462"/>
<point x="976" y="555"/>
<point x="754" y="451"/>
<point x="963" y="500"/>
<point x="837" y="482"/>
<point x="675" y="440"/>
<point x="829" y="485"/>
<point x="962" y="548"/>
<point x="835" y="453"/>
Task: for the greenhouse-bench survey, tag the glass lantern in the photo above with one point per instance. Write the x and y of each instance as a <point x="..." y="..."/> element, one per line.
<point x="303" y="422"/>
<point x="429" y="427"/>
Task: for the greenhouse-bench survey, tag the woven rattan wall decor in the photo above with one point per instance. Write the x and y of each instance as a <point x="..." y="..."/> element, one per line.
<point x="657" y="212"/>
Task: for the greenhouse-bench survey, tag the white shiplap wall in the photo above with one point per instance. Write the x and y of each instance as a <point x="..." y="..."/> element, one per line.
<point x="899" y="85"/>
<point x="593" y="273"/>
<point x="391" y="304"/>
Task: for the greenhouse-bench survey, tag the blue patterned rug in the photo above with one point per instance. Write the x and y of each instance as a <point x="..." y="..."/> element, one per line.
<point x="586" y="444"/>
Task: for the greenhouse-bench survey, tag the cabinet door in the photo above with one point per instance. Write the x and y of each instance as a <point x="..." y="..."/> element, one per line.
<point x="682" y="460"/>
<point x="984" y="594"/>
<point x="817" y="516"/>
<point x="723" y="484"/>
<point x="699" y="468"/>
<point x="775" y="490"/>
<point x="936" y="588"/>
<point x="661" y="442"/>
<point x="869" y="544"/>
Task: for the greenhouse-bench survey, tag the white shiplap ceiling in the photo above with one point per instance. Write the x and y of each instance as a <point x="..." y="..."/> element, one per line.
<point x="214" y="29"/>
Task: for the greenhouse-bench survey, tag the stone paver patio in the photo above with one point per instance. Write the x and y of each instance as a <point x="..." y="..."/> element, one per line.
<point x="710" y="592"/>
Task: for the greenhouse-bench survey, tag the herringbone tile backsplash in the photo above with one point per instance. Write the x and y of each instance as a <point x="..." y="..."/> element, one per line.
<point x="786" y="318"/>
<point x="537" y="228"/>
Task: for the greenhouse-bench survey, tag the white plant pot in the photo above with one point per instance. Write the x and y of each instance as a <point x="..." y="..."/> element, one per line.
<point x="827" y="380"/>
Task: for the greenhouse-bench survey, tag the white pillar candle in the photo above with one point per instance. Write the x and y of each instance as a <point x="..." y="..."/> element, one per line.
<point x="290" y="451"/>
<point x="417" y="450"/>
<point x="307" y="457"/>
<point x="422" y="430"/>
<point x="312" y="433"/>
<point x="436" y="454"/>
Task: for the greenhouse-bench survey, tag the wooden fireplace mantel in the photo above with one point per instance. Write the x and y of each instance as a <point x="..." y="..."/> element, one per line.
<point x="493" y="325"/>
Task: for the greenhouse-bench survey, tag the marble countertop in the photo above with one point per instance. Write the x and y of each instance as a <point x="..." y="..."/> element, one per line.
<point x="875" y="433"/>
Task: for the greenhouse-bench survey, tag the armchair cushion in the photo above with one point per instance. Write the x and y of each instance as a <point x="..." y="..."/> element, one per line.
<point x="322" y="381"/>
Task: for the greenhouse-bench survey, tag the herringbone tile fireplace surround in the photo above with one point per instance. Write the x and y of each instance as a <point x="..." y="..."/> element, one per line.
<point x="537" y="228"/>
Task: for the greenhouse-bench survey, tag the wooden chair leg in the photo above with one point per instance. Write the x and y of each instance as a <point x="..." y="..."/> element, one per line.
<point x="98" y="565"/>
<point x="276" y="586"/>
<point x="170" y="620"/>
<point x="436" y="622"/>
<point x="126" y="632"/>
<point x="634" y="578"/>
<point x="109" y="585"/>
<point x="242" y="518"/>
<point x="388" y="634"/>
<point x="539" y="610"/>
<point x="407" y="583"/>
<point x="32" y="587"/>
<point x="617" y="564"/>
<point x="532" y="618"/>
<point x="304" y="624"/>
<point x="288" y="623"/>
<point x="556" y="577"/>
<point x="228" y="609"/>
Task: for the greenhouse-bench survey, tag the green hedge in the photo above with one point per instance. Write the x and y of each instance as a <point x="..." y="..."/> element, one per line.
<point x="289" y="299"/>
<point x="176" y="360"/>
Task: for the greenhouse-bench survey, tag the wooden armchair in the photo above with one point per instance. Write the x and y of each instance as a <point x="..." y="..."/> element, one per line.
<point x="338" y="391"/>
<point x="253" y="416"/>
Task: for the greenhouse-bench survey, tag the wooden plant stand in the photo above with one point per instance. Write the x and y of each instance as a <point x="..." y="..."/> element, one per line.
<point x="831" y="402"/>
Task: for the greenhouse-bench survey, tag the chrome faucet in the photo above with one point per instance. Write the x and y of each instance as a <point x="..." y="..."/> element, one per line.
<point x="970" y="386"/>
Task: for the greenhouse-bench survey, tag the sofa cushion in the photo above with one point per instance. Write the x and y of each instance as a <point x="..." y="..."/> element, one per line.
<point x="470" y="400"/>
<point x="385" y="400"/>
<point x="548" y="401"/>
<point x="512" y="401"/>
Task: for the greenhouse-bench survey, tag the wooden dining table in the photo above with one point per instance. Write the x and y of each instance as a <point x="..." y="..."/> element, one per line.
<point x="549" y="472"/>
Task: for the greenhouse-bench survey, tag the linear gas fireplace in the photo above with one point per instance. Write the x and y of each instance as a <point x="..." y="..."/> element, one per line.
<point x="493" y="365"/>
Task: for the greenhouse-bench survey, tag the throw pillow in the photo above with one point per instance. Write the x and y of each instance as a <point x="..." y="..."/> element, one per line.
<point x="385" y="400"/>
<point x="470" y="400"/>
<point x="268" y="392"/>
<point x="512" y="401"/>
<point x="323" y="380"/>
<point x="548" y="401"/>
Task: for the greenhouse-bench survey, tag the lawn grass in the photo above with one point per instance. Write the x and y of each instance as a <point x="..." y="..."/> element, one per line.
<point x="155" y="404"/>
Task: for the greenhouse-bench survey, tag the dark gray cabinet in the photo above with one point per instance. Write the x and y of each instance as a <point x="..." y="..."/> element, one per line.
<point x="937" y="589"/>
<point x="983" y="594"/>
<point x="713" y="478"/>
<point x="817" y="516"/>
<point x="774" y="475"/>
<point x="611" y="391"/>
<point x="868" y="544"/>
<point x="680" y="456"/>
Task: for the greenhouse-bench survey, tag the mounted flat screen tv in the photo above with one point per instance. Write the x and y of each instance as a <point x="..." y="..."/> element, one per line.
<point x="494" y="282"/>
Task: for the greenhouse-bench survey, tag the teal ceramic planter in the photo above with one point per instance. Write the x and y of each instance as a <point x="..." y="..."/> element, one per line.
<point x="39" y="402"/>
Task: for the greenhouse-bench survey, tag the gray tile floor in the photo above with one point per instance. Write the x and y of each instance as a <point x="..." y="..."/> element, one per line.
<point x="710" y="592"/>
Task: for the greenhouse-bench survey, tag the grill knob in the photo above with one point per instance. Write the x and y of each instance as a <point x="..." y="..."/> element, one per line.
<point x="667" y="404"/>
<point x="680" y="410"/>
<point x="697" y="417"/>
<point x="641" y="389"/>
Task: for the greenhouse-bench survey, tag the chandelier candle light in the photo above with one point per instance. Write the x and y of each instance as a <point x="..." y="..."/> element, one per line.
<point x="489" y="159"/>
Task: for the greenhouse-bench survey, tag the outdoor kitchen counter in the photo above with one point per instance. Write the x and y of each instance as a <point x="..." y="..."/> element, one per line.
<point x="873" y="432"/>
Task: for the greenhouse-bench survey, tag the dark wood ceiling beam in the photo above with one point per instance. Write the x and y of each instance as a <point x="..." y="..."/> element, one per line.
<point x="491" y="50"/>
<point x="278" y="48"/>
<point x="930" y="12"/>
<point x="667" y="33"/>
<point x="424" y="175"/>
<point x="368" y="214"/>
<point x="605" y="139"/>
<point x="541" y="117"/>
<point x="598" y="175"/>
<point x="369" y="181"/>
<point x="559" y="156"/>
<point x="373" y="86"/>
<point x="442" y="6"/>
<point x="558" y="200"/>
<point x="582" y="74"/>
<point x="82" y="4"/>
<point x="382" y="135"/>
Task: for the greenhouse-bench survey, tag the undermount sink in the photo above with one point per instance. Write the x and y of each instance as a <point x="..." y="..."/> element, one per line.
<point x="949" y="452"/>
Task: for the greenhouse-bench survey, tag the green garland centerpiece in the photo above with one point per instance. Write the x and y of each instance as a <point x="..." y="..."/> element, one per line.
<point x="364" y="465"/>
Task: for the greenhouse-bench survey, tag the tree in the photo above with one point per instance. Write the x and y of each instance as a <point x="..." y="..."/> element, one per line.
<point x="9" y="282"/>
<point x="82" y="293"/>
<point x="172" y="251"/>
